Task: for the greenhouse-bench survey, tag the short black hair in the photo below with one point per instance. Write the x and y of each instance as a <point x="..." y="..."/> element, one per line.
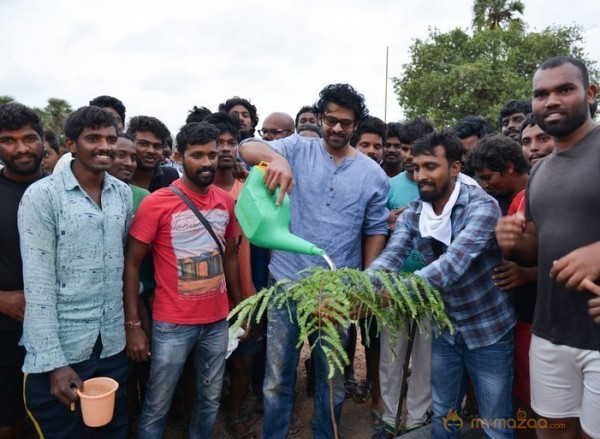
<point x="557" y="61"/>
<point x="369" y="125"/>
<point x="112" y="102"/>
<point x="14" y="116"/>
<point x="126" y="136"/>
<point x="197" y="114"/>
<point x="473" y="126"/>
<point x="415" y="129"/>
<point x="52" y="140"/>
<point x="529" y="121"/>
<point x="305" y="109"/>
<point x="148" y="123"/>
<point x="236" y="100"/>
<point x="513" y="106"/>
<point x="345" y="96"/>
<point x="88" y="117"/>
<point x="495" y="152"/>
<point x="196" y="133"/>
<point x="446" y="138"/>
<point x="225" y="123"/>
<point x="393" y="130"/>
<point x="313" y="128"/>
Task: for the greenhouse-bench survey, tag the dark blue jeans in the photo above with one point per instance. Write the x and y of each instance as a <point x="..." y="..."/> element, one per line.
<point x="171" y="345"/>
<point x="53" y="419"/>
<point x="280" y="378"/>
<point x="491" y="371"/>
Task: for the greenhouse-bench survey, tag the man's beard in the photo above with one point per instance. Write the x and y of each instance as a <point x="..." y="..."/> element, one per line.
<point x="195" y="177"/>
<point x="24" y="170"/>
<point x="566" y="126"/>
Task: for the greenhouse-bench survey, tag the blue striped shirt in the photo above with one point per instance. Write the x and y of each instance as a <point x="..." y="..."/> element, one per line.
<point x="479" y="311"/>
<point x="330" y="206"/>
<point x="72" y="254"/>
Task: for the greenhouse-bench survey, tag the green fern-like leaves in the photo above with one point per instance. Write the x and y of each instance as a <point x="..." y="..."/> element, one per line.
<point x="342" y="296"/>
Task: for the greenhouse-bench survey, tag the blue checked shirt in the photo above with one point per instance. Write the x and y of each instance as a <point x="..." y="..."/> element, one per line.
<point x="73" y="260"/>
<point x="330" y="206"/>
<point x="479" y="311"/>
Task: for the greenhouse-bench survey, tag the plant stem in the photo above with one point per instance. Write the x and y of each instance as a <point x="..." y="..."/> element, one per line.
<point x="335" y="429"/>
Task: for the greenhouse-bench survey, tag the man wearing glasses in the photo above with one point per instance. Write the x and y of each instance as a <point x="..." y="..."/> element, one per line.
<point x="150" y="135"/>
<point x="338" y="201"/>
<point x="277" y="126"/>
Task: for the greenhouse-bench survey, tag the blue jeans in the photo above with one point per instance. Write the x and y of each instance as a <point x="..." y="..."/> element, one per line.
<point x="491" y="371"/>
<point x="171" y="345"/>
<point x="280" y="378"/>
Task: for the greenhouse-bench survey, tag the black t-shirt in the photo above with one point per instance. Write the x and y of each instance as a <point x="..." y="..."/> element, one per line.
<point x="562" y="200"/>
<point x="163" y="177"/>
<point x="11" y="266"/>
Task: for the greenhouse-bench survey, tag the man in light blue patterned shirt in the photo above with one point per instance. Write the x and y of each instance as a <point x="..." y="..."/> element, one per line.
<point x="73" y="227"/>
<point x="339" y="201"/>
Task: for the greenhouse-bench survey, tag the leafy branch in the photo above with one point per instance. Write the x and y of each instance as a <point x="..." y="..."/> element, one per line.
<point x="342" y="296"/>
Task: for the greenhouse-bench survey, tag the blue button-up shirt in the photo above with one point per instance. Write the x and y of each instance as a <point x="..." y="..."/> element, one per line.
<point x="73" y="259"/>
<point x="330" y="206"/>
<point x="479" y="310"/>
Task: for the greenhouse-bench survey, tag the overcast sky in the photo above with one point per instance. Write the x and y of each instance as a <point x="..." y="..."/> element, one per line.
<point x="162" y="57"/>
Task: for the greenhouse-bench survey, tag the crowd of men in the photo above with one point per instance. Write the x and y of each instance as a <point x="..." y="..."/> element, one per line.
<point x="121" y="257"/>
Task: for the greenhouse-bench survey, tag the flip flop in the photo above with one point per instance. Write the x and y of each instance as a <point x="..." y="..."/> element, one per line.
<point x="296" y="427"/>
<point x="377" y="418"/>
<point x="239" y="429"/>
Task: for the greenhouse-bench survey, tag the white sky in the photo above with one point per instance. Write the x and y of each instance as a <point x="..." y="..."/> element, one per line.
<point x="162" y="57"/>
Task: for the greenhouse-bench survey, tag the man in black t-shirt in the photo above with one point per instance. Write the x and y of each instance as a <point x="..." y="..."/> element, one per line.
<point x="560" y="233"/>
<point x="21" y="150"/>
<point x="150" y="136"/>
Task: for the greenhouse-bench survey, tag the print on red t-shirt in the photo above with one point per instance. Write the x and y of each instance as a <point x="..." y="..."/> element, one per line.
<point x="190" y="283"/>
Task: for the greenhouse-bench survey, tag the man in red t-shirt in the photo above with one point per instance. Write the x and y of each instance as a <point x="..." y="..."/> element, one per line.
<point x="193" y="285"/>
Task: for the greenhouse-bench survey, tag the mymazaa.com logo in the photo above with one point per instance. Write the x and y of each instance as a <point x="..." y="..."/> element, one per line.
<point x="453" y="422"/>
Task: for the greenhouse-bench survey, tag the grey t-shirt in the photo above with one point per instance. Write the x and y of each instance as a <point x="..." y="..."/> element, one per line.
<point x="563" y="198"/>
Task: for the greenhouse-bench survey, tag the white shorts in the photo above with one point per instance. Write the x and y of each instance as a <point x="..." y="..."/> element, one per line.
<point x="565" y="383"/>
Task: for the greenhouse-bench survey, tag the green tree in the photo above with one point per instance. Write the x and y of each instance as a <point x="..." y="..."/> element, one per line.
<point x="495" y="14"/>
<point x="455" y="74"/>
<point x="5" y="99"/>
<point x="54" y="115"/>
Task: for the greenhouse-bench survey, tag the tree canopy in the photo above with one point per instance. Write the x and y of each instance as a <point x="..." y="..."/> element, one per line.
<point x="456" y="73"/>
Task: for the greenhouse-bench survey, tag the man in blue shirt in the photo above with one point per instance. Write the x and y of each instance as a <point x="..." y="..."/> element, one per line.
<point x="72" y="227"/>
<point x="339" y="199"/>
<point x="452" y="227"/>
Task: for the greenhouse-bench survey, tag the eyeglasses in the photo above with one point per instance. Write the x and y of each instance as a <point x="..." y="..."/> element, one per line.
<point x="333" y="121"/>
<point x="272" y="131"/>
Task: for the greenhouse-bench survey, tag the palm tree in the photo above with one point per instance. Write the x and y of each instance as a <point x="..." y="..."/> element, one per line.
<point x="5" y="99"/>
<point x="495" y="14"/>
<point x="55" y="114"/>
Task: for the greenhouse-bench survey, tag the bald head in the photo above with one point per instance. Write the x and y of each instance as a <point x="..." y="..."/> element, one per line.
<point x="277" y="126"/>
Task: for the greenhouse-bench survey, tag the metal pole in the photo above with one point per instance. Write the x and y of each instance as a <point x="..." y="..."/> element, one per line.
<point x="412" y="331"/>
<point x="387" y="51"/>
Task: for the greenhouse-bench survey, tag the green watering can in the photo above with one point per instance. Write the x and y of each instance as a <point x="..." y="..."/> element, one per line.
<point x="264" y="223"/>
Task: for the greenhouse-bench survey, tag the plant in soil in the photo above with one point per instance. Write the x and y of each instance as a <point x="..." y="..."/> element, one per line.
<point x="329" y="299"/>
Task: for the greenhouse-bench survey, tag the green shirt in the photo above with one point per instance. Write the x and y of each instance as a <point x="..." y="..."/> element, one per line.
<point x="403" y="191"/>
<point x="138" y="194"/>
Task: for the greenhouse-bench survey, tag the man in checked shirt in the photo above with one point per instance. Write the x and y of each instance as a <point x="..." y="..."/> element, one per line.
<point x="451" y="225"/>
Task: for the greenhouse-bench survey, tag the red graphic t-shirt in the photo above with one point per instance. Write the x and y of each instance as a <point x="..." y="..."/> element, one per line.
<point x="190" y="283"/>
